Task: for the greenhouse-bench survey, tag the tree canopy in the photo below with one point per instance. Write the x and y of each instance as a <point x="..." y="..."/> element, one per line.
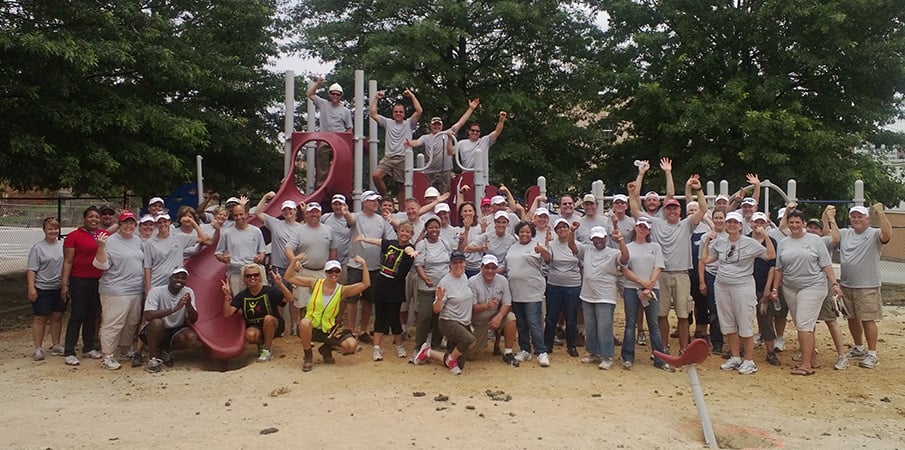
<point x="105" y="96"/>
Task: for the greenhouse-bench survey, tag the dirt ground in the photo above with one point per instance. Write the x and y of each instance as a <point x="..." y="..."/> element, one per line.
<point x="366" y="404"/>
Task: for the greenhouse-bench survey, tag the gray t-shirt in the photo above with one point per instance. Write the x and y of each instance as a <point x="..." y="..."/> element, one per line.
<point x="193" y="250"/>
<point x="736" y="259"/>
<point x="484" y="291"/>
<point x="626" y="227"/>
<point x="496" y="245"/>
<point x="341" y="234"/>
<point x="713" y="267"/>
<point x="801" y="261"/>
<point x="436" y="158"/>
<point x="433" y="257"/>
<point x="281" y="232"/>
<point x="467" y="150"/>
<point x="334" y="118"/>
<point x="526" y="282"/>
<point x="160" y="298"/>
<point x="46" y="261"/>
<point x="643" y="259"/>
<point x="675" y="240"/>
<point x="450" y="235"/>
<point x="395" y="134"/>
<point x="859" y="255"/>
<point x="458" y="300"/>
<point x="563" y="268"/>
<point x="164" y="255"/>
<point x="369" y="226"/>
<point x="601" y="268"/>
<point x="125" y="275"/>
<point x="315" y="243"/>
<point x="241" y="245"/>
<point x="583" y="233"/>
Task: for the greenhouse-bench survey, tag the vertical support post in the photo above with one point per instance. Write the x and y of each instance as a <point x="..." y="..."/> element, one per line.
<point x="859" y="193"/>
<point x="288" y="121"/>
<point x="542" y="185"/>
<point x="358" y="133"/>
<point x="480" y="182"/>
<point x="372" y="136"/>
<point x="199" y="173"/>
<point x="711" y="188"/>
<point x="792" y="190"/>
<point x="724" y="188"/>
<point x="310" y="149"/>
<point x="409" y="172"/>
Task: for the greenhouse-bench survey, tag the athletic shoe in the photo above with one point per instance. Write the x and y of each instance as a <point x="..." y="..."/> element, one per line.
<point x="423" y="354"/>
<point x="71" y="360"/>
<point x="266" y="355"/>
<point x="377" y="354"/>
<point x="543" y="360"/>
<point x="590" y="359"/>
<point x="166" y="358"/>
<point x="523" y="356"/>
<point x="747" y="368"/>
<point x="572" y="351"/>
<point x="779" y="344"/>
<point x="627" y="365"/>
<point x="95" y="354"/>
<point x="732" y="364"/>
<point x="857" y="353"/>
<point x="797" y="356"/>
<point x="641" y="339"/>
<point x="869" y="362"/>
<point x="400" y="351"/>
<point x="138" y="359"/>
<point x="665" y="367"/>
<point x="509" y="358"/>
<point x="758" y="342"/>
<point x="605" y="364"/>
<point x="38" y="355"/>
<point x="57" y="350"/>
<point x="153" y="365"/>
<point x="841" y="362"/>
<point x="110" y="363"/>
<point x="773" y="360"/>
<point x="452" y="365"/>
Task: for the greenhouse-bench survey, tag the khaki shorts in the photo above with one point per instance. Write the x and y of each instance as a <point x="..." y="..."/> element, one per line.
<point x="394" y="166"/>
<point x="440" y="180"/>
<point x="828" y="311"/>
<point x="863" y="303"/>
<point x="675" y="292"/>
<point x="480" y="334"/>
<point x="301" y="293"/>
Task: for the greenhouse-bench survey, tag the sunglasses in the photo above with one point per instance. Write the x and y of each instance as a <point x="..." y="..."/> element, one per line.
<point x="252" y="275"/>
<point x="332" y="271"/>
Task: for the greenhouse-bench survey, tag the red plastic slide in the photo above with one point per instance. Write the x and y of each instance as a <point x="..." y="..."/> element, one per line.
<point x="224" y="337"/>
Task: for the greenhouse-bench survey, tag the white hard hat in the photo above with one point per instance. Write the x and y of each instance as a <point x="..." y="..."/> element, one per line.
<point x="335" y="87"/>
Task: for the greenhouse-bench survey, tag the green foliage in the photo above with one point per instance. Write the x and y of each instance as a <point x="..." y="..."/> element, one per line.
<point x="121" y="95"/>
<point x="781" y="88"/>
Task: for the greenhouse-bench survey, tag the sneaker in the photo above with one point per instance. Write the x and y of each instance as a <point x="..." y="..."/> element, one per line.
<point x="153" y="365"/>
<point x="423" y="354"/>
<point x="57" y="350"/>
<point x="641" y="339"/>
<point x="857" y="353"/>
<point x="543" y="360"/>
<point x="138" y="359"/>
<point x="266" y="355"/>
<point x="38" y="355"/>
<point x="400" y="351"/>
<point x="590" y="359"/>
<point x="731" y="364"/>
<point x="453" y="365"/>
<point x="95" y="354"/>
<point x="605" y="364"/>
<point x="166" y="358"/>
<point x="841" y="362"/>
<point x="797" y="356"/>
<point x="773" y="360"/>
<point x="377" y="354"/>
<point x="665" y="367"/>
<point x="71" y="360"/>
<point x="365" y="338"/>
<point x="110" y="363"/>
<point x="758" y="342"/>
<point x="779" y="344"/>
<point x="870" y="361"/>
<point x="627" y="365"/>
<point x="572" y="351"/>
<point x="126" y="353"/>
<point x="509" y="358"/>
<point x="523" y="356"/>
<point x="747" y="368"/>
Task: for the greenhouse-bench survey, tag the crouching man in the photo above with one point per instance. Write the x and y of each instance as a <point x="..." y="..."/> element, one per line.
<point x="167" y="309"/>
<point x="492" y="310"/>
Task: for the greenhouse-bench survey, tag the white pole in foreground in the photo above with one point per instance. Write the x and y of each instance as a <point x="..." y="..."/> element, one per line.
<point x="200" y="177"/>
<point x="698" y="394"/>
<point x="372" y="137"/>
<point x="359" y="136"/>
<point x="288" y="121"/>
<point x="310" y="149"/>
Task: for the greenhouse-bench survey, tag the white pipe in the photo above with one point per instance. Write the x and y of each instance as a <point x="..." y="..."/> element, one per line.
<point x="310" y="150"/>
<point x="199" y="171"/>
<point x="859" y="193"/>
<point x="408" y="177"/>
<point x="698" y="394"/>
<point x="542" y="185"/>
<point x="358" y="135"/>
<point x="372" y="137"/>
<point x="288" y="121"/>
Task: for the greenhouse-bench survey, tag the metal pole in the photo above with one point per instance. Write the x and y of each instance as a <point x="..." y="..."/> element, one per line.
<point x="409" y="171"/>
<point x="698" y="394"/>
<point x="372" y="136"/>
<point x="542" y="185"/>
<point x="199" y="170"/>
<point x="288" y="120"/>
<point x="480" y="183"/>
<point x="359" y="136"/>
<point x="310" y="150"/>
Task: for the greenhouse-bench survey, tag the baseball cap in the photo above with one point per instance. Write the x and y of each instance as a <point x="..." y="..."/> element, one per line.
<point x="431" y="192"/>
<point x="335" y="87"/>
<point x="644" y="221"/>
<point x="759" y="216"/>
<point x="154" y="200"/>
<point x="288" y="204"/>
<point x="436" y="120"/>
<point x="722" y="197"/>
<point x="369" y="195"/>
<point x="736" y="216"/>
<point x="780" y="213"/>
<point x="146" y="218"/>
<point x="106" y="208"/>
<point x="338" y="198"/>
<point x="232" y="200"/>
<point x="859" y="210"/>
<point x="489" y="259"/>
<point x="456" y="256"/>
<point x="589" y="198"/>
<point x="815" y="222"/>
<point x="502" y="214"/>
<point x="620" y="198"/>
<point x="497" y="199"/>
<point x="598" y="232"/>
<point x="486" y="201"/>
<point x="542" y="212"/>
<point x="163" y="216"/>
<point x="652" y="194"/>
<point x="179" y="269"/>
<point x="441" y="207"/>
<point x="749" y="201"/>
<point x="126" y="215"/>
<point x="560" y="221"/>
<point x="671" y="202"/>
<point x="332" y="264"/>
<point x="312" y="206"/>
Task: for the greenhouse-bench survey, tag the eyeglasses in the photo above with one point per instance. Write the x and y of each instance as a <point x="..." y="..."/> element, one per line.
<point x="474" y="131"/>
<point x="252" y="275"/>
<point x="566" y="204"/>
<point x="332" y="271"/>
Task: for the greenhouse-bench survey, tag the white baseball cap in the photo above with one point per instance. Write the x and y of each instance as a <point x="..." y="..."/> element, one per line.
<point x="859" y="210"/>
<point x="497" y="199"/>
<point x="288" y="204"/>
<point x="332" y="264"/>
<point x="502" y="214"/>
<point x="441" y="207"/>
<point x="542" y="212"/>
<point x="759" y="216"/>
<point x="749" y="201"/>
<point x="154" y="200"/>
<point x="736" y="216"/>
<point x="339" y="198"/>
<point x="644" y="221"/>
<point x="598" y="232"/>
<point x="620" y="198"/>
<point x="369" y="195"/>
<point x="312" y="206"/>
<point x="489" y="259"/>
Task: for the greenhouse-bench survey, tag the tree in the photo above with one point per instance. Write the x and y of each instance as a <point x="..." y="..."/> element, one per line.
<point x="783" y="88"/>
<point x="525" y="57"/>
<point x="105" y="96"/>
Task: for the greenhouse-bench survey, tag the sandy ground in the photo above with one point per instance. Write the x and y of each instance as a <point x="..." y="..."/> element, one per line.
<point x="366" y="404"/>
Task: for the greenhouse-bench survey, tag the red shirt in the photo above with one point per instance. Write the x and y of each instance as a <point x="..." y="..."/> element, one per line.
<point x="85" y="245"/>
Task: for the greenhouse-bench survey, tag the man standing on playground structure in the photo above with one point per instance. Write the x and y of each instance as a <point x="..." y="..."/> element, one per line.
<point x="334" y="118"/>
<point x="467" y="149"/>
<point x="396" y="131"/>
<point x="439" y="148"/>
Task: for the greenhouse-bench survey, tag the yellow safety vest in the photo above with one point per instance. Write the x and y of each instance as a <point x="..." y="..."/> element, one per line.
<point x="322" y="315"/>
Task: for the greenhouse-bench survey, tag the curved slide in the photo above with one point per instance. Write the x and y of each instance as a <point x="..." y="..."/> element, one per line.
<point x="224" y="337"/>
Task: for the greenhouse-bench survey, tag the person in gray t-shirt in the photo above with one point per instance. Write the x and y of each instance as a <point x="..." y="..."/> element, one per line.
<point x="169" y="310"/>
<point x="44" y="277"/>
<point x="396" y="131"/>
<point x="468" y="148"/>
<point x="342" y="234"/>
<point x="439" y="148"/>
<point x="335" y="117"/>
<point x="239" y="245"/>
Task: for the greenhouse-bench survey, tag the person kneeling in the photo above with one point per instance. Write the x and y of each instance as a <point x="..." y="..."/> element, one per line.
<point x="166" y="310"/>
<point x="492" y="310"/>
<point x="260" y="306"/>
<point x="325" y="305"/>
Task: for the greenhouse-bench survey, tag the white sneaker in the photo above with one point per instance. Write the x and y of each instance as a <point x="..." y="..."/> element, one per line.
<point x="590" y="358"/>
<point x="400" y="351"/>
<point x="605" y="364"/>
<point x="266" y="355"/>
<point x="110" y="363"/>
<point x="841" y="362"/>
<point x="779" y="344"/>
<point x="95" y="354"/>
<point x="856" y="353"/>
<point x="732" y="363"/>
<point x="38" y="355"/>
<point x="747" y="368"/>
<point x="522" y="356"/>
<point x="57" y="350"/>
<point x="870" y="361"/>
<point x="627" y="365"/>
<point x="377" y="354"/>
<point x="758" y="342"/>
<point x="543" y="360"/>
<point x="71" y="360"/>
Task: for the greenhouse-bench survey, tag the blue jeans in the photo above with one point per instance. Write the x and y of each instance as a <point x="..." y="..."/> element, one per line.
<point x="632" y="303"/>
<point x="530" y="326"/>
<point x="598" y="326"/>
<point x="561" y="299"/>
<point x="716" y="335"/>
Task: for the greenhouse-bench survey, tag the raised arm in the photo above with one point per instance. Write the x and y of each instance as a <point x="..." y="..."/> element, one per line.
<point x="429" y="207"/>
<point x="259" y="210"/>
<point x="295" y="279"/>
<point x="634" y="198"/>
<point x="472" y="105"/>
<point x="702" y="200"/>
<point x="372" y="108"/>
<point x="885" y="227"/>
<point x="357" y="288"/>
<point x="754" y="181"/>
<point x="829" y="224"/>
<point x="666" y="167"/>
<point x="312" y="88"/>
<point x="416" y="115"/>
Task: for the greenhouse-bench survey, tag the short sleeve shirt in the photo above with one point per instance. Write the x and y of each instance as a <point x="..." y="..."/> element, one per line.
<point x="395" y="134"/>
<point x="333" y="118"/>
<point x="255" y="308"/>
<point x="46" y="261"/>
<point x="160" y="298"/>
